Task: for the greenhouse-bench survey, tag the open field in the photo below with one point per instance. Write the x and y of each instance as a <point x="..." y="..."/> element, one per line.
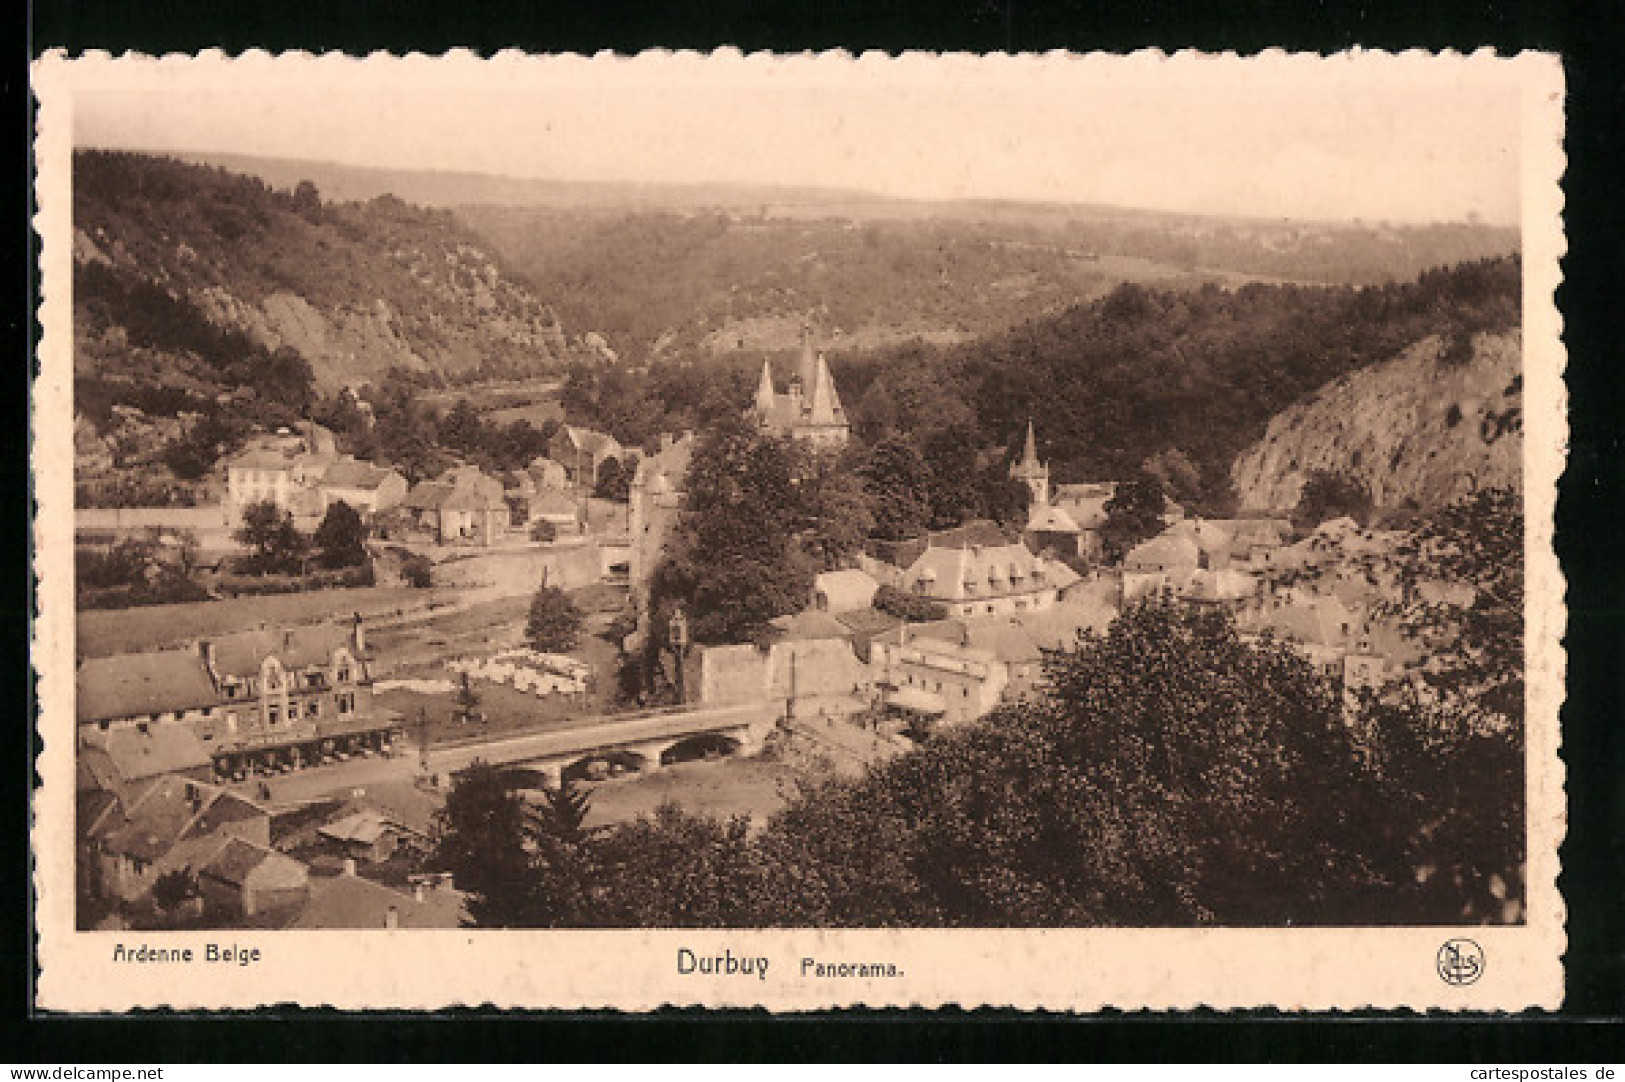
<point x="115" y="631"/>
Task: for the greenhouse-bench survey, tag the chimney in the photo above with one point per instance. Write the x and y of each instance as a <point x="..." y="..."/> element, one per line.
<point x="418" y="891"/>
<point x="392" y="917"/>
<point x="349" y="865"/>
<point x="358" y="635"/>
<point x="287" y="638"/>
<point x="205" y="650"/>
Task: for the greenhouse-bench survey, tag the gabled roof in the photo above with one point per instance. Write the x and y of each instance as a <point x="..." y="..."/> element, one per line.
<point x="809" y="625"/>
<point x="591" y="442"/>
<point x="161" y="814"/>
<point x="976" y="572"/>
<point x="976" y="532"/>
<point x="1166" y="551"/>
<point x="236" y="860"/>
<point x="241" y="653"/>
<point x="364" y="825"/>
<point x="426" y="495"/>
<point x="353" y="473"/>
<point x="352" y="901"/>
<point x="166" y="748"/>
<point x="1051" y="519"/>
<point x="549" y="501"/>
<point x="846" y="590"/>
<point x="154" y="682"/>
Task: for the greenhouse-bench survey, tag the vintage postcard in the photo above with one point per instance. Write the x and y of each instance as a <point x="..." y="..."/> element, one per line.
<point x="1050" y="532"/>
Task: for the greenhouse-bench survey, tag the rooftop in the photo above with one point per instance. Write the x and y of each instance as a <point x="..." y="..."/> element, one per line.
<point x="154" y="682"/>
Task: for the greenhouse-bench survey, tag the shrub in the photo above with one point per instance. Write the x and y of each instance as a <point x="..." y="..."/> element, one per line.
<point x="906" y="606"/>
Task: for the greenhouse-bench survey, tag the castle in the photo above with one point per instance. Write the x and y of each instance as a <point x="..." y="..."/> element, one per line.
<point x="810" y="409"/>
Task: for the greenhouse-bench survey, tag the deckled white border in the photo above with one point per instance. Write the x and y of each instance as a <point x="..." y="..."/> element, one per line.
<point x="1082" y="970"/>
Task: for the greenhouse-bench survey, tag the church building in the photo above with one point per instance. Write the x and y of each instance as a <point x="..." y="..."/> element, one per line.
<point x="810" y="409"/>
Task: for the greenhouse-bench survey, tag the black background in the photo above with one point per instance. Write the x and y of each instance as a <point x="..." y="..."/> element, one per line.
<point x="1590" y="540"/>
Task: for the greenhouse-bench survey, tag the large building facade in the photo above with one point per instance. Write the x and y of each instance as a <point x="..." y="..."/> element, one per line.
<point x="232" y="704"/>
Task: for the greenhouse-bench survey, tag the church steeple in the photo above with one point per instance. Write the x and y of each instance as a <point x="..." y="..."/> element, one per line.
<point x="1030" y="471"/>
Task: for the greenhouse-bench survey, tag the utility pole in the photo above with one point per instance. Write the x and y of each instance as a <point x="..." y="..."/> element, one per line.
<point x="423" y="739"/>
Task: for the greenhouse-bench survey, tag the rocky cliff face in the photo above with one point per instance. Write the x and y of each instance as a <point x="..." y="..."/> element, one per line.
<point x="354" y="288"/>
<point x="1421" y="427"/>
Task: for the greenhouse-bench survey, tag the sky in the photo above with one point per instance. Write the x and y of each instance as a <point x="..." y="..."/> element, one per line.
<point x="1376" y="138"/>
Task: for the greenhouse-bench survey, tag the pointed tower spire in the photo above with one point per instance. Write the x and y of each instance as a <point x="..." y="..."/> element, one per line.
<point x="1029" y="457"/>
<point x="808" y="368"/>
<point x="764" y="391"/>
<point x="825" y="404"/>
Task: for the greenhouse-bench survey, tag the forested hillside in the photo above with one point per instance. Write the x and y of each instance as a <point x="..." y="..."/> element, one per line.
<point x="188" y="278"/>
<point x="1144" y="373"/>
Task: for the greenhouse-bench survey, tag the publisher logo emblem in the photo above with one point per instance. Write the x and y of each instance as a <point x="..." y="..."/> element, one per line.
<point x="1460" y="961"/>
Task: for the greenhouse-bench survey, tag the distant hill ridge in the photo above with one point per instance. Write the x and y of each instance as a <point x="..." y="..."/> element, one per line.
<point x="353" y="288"/>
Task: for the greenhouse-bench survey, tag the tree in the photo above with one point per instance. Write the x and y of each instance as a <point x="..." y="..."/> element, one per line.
<point x="480" y="838"/>
<point x="567" y="807"/>
<point x="1133" y="514"/>
<point x="896" y="478"/>
<point x="736" y="559"/>
<point x="554" y="624"/>
<point x="173" y="889"/>
<point x="341" y="539"/>
<point x="1177" y="475"/>
<point x="1328" y="494"/>
<point x="614" y="481"/>
<point x="417" y="571"/>
<point x="468" y="701"/>
<point x="836" y="512"/>
<point x="275" y="544"/>
<point x="1450" y="740"/>
<point x="544" y="531"/>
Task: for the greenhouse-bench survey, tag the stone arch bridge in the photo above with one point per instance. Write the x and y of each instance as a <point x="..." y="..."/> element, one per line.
<point x="651" y="738"/>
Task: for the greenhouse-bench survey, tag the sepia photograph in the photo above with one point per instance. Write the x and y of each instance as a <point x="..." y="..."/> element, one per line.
<point x="714" y="496"/>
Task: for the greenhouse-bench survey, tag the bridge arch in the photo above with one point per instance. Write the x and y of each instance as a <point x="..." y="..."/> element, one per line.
<point x="606" y="764"/>
<point x="701" y="746"/>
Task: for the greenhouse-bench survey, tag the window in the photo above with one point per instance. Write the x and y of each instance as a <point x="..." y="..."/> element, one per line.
<point x="142" y="726"/>
<point x="344" y="674"/>
<point x="313" y="679"/>
<point x="313" y="709"/>
<point x="273" y="714"/>
<point x="346" y="703"/>
<point x="231" y="690"/>
<point x="208" y="711"/>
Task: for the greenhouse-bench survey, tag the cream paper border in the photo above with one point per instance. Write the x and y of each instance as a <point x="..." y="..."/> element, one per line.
<point x="1064" y="970"/>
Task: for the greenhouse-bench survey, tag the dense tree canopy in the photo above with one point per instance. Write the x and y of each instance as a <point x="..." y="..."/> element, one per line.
<point x="1172" y="774"/>
<point x="274" y="543"/>
<point x="1328" y="494"/>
